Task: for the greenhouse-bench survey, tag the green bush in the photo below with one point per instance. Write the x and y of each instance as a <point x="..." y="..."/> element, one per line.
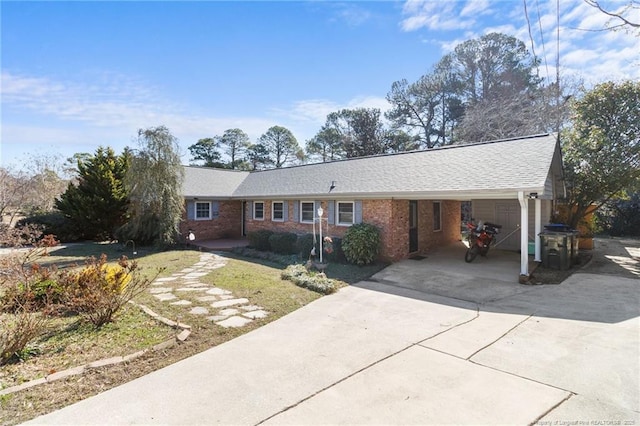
<point x="301" y="277"/>
<point x="361" y="243"/>
<point x="621" y="218"/>
<point x="281" y="259"/>
<point x="259" y="240"/>
<point x="143" y="231"/>
<point x="304" y="245"/>
<point x="54" y="223"/>
<point x="337" y="254"/>
<point x="283" y="242"/>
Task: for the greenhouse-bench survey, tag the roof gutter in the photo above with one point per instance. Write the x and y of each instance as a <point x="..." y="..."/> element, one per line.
<point x="509" y="194"/>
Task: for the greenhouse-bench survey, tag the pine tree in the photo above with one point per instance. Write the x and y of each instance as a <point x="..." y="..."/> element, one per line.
<point x="97" y="204"/>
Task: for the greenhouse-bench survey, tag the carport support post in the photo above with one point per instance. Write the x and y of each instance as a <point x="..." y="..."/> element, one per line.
<point x="524" y="237"/>
<point x="538" y="225"/>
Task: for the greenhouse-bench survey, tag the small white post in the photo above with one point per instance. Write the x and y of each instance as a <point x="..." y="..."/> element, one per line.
<point x="320" y="212"/>
<point x="524" y="234"/>
<point x="538" y="229"/>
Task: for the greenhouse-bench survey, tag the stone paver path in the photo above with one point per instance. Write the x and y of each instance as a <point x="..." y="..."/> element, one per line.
<point x="184" y="289"/>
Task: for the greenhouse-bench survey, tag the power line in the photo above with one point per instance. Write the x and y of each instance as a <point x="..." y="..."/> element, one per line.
<point x="558" y="66"/>
<point x="533" y="48"/>
<point x="544" y="52"/>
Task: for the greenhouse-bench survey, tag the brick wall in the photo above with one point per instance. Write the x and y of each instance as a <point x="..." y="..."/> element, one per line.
<point x="228" y="224"/>
<point x="290" y="225"/>
<point x="391" y="216"/>
<point x="430" y="240"/>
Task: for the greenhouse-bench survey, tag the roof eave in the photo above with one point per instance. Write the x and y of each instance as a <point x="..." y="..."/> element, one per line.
<point x="510" y="193"/>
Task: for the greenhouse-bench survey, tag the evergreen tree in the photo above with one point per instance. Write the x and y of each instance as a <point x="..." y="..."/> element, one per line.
<point x="207" y="151"/>
<point x="235" y="142"/>
<point x="97" y="204"/>
<point x="281" y="145"/>
<point x="602" y="150"/>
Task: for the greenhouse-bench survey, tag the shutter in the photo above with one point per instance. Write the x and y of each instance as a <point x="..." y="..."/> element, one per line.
<point x="191" y="210"/>
<point x="296" y="211"/>
<point x="331" y="212"/>
<point x="251" y="213"/>
<point x="215" y="209"/>
<point x="285" y="211"/>
<point x="357" y="214"/>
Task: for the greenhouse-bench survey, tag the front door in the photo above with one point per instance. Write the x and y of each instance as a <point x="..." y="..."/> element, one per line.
<point x="413" y="226"/>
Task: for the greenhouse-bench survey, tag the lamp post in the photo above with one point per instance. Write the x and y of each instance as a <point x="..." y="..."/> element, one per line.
<point x="320" y="212"/>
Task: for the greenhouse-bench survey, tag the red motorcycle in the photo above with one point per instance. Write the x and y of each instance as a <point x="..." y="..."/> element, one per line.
<point x="481" y="236"/>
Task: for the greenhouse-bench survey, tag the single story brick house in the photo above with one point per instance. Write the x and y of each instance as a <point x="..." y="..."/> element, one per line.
<point x="413" y="197"/>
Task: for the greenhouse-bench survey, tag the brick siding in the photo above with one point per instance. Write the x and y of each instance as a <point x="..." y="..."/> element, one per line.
<point x="228" y="224"/>
<point x="391" y="216"/>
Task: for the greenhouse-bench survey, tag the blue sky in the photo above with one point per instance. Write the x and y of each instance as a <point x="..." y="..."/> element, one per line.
<point x="77" y="75"/>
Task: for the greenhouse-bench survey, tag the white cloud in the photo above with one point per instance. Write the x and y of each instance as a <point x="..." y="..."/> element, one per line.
<point x="74" y="117"/>
<point x="579" y="57"/>
<point x="316" y="110"/>
<point x="369" y="102"/>
<point x="433" y="15"/>
<point x="352" y="14"/>
<point x="118" y="102"/>
<point x="585" y="50"/>
<point x="474" y="8"/>
<point x="306" y="117"/>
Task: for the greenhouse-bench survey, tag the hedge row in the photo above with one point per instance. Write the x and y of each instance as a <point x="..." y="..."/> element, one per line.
<point x="360" y="244"/>
<point x="288" y="243"/>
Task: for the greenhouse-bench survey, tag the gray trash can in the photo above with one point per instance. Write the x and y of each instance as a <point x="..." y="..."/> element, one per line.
<point x="556" y="249"/>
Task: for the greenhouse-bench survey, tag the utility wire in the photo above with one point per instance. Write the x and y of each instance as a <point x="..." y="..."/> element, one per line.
<point x="544" y="51"/>
<point x="533" y="48"/>
<point x="558" y="67"/>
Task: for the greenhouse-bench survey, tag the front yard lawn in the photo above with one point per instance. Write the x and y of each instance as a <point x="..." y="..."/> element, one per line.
<point x="70" y="342"/>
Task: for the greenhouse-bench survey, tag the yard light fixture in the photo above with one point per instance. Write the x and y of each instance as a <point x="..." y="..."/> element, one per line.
<point x="320" y="211"/>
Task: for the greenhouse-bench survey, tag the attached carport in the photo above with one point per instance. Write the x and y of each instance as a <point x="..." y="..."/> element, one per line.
<point x="444" y="273"/>
<point x="531" y="205"/>
<point x="525" y="173"/>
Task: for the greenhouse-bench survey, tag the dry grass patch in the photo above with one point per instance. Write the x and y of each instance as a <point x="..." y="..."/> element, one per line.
<point x="71" y="342"/>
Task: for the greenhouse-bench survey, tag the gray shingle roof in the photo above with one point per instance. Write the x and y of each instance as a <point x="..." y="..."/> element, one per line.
<point x="214" y="183"/>
<point x="493" y="169"/>
<point x="497" y="169"/>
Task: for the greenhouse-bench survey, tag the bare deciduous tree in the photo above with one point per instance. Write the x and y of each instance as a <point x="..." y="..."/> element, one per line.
<point x="621" y="15"/>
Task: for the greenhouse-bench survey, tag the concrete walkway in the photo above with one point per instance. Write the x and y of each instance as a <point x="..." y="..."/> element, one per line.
<point x="378" y="353"/>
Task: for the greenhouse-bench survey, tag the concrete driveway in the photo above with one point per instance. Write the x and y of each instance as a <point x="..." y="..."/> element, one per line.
<point x="418" y="345"/>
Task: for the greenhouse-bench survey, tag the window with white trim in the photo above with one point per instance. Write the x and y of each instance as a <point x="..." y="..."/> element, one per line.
<point x="203" y="210"/>
<point x="437" y="216"/>
<point x="277" y="211"/>
<point x="258" y="210"/>
<point x="306" y="211"/>
<point x="345" y="213"/>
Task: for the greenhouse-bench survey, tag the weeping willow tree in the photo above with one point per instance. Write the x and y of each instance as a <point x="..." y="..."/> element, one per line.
<point x="154" y="182"/>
